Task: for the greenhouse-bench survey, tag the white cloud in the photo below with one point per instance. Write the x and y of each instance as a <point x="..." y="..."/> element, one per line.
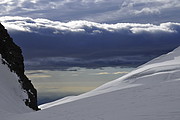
<point x="152" y="6"/>
<point x="147" y="11"/>
<point x="163" y="27"/>
<point x="6" y="1"/>
<point x="130" y="9"/>
<point x="38" y="25"/>
<point x="93" y="10"/>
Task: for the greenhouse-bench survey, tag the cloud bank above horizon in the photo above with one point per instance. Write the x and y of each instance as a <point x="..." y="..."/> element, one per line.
<point x="39" y="25"/>
<point x="52" y="45"/>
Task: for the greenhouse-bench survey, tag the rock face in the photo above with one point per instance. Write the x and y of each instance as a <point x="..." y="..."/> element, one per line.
<point x="12" y="55"/>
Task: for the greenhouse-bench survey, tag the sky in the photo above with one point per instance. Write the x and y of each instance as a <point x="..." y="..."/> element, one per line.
<point x="57" y="36"/>
<point x="109" y="11"/>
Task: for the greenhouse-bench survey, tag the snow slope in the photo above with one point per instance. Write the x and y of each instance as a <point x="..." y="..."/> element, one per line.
<point x="11" y="94"/>
<point x="151" y="92"/>
<point x="153" y="72"/>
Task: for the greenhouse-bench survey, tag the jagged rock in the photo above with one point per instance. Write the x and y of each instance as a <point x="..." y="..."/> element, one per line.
<point x="12" y="55"/>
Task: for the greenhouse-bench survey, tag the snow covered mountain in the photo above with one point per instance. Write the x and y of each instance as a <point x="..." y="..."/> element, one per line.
<point x="151" y="92"/>
<point x="11" y="93"/>
<point x="16" y="90"/>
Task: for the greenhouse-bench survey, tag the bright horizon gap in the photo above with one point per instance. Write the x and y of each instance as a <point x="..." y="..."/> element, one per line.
<point x="57" y="84"/>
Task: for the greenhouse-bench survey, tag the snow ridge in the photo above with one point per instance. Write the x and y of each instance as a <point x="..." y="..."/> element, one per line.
<point x="151" y="92"/>
<point x="161" y="66"/>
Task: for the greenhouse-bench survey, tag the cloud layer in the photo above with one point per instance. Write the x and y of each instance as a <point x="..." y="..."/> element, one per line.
<point x="94" y="10"/>
<point x="59" y="45"/>
<point x="27" y="24"/>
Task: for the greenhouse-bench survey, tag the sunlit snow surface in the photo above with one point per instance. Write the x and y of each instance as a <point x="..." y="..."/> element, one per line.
<point x="151" y="92"/>
<point x="11" y="93"/>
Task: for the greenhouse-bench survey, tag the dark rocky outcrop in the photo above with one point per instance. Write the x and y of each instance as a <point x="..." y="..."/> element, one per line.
<point x="12" y="56"/>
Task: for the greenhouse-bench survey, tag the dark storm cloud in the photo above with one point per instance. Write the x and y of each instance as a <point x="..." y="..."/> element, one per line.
<point x="65" y="63"/>
<point x="57" y="45"/>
